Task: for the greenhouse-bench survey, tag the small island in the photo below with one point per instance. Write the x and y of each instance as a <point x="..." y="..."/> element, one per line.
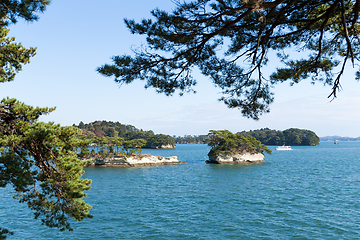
<point x="121" y="153"/>
<point x="229" y="148"/>
<point x="131" y="161"/>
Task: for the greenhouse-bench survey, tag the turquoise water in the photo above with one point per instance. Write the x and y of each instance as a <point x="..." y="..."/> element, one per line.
<point x="306" y="193"/>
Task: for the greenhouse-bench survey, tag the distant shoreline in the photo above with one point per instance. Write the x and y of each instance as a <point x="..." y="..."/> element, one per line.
<point x="338" y="138"/>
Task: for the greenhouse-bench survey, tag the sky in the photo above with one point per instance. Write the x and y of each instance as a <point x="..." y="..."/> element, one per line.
<point x="73" y="38"/>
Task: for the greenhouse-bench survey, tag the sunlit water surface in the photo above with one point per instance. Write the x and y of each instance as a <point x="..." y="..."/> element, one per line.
<point x="306" y="193"/>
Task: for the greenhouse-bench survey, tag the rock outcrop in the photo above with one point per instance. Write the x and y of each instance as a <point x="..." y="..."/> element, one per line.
<point x="168" y="146"/>
<point x="133" y="161"/>
<point x="236" y="158"/>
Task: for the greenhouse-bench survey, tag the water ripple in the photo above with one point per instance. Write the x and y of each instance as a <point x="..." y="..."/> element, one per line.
<point x="308" y="193"/>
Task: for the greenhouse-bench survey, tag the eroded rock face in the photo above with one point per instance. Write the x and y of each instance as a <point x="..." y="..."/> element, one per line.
<point x="235" y="158"/>
<point x="133" y="161"/>
<point x="169" y="146"/>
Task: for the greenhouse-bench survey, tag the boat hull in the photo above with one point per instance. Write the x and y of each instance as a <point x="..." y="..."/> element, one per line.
<point x="283" y="148"/>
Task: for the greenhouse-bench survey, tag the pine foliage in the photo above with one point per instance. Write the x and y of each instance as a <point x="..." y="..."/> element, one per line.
<point x="39" y="161"/>
<point x="229" y="41"/>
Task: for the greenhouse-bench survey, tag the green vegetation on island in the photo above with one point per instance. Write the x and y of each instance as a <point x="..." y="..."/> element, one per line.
<point x="189" y="139"/>
<point x="291" y="137"/>
<point x="152" y="140"/>
<point x="110" y="146"/>
<point x="107" y="130"/>
<point x="225" y="142"/>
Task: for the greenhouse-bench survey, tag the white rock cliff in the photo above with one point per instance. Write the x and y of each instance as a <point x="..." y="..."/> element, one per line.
<point x="236" y="158"/>
<point x="133" y="161"/>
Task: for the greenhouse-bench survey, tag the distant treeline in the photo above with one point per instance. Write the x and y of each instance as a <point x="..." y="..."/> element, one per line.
<point x="108" y="129"/>
<point x="291" y="137"/>
<point x="189" y="139"/>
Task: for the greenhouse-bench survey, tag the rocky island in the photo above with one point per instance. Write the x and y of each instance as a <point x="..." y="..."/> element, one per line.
<point x="229" y="148"/>
<point x="118" y="152"/>
<point x="131" y="161"/>
<point x="236" y="158"/>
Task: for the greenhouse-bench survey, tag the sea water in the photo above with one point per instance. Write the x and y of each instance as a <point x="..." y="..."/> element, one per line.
<point x="306" y="193"/>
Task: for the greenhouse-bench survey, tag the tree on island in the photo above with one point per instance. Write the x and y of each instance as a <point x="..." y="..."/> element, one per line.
<point x="190" y="139"/>
<point x="111" y="146"/>
<point x="133" y="146"/>
<point x="230" y="42"/>
<point x="225" y="142"/>
<point x="37" y="159"/>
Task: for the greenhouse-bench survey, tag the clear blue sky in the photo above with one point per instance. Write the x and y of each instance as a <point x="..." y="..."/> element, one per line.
<point x="75" y="37"/>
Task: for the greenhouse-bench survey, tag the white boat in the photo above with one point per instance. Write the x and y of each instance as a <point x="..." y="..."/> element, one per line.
<point x="283" y="148"/>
